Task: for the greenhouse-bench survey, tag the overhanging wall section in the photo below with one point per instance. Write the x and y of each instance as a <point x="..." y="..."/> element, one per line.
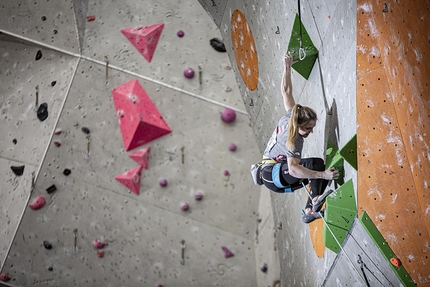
<point x="393" y="132"/>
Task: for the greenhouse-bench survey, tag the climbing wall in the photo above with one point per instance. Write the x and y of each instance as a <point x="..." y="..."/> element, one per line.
<point x="186" y="214"/>
<point x="393" y="132"/>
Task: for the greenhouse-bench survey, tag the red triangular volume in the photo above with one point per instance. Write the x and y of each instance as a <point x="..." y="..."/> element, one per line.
<point x="131" y="179"/>
<point x="141" y="157"/>
<point x="139" y="119"/>
<point x="144" y="38"/>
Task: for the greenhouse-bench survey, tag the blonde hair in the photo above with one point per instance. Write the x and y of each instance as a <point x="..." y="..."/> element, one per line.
<point x="300" y="116"/>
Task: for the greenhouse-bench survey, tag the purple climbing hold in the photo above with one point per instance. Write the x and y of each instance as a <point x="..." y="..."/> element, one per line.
<point x="226" y="173"/>
<point x="227" y="252"/>
<point x="180" y="33"/>
<point x="228" y="115"/>
<point x="198" y="196"/>
<point x="232" y="147"/>
<point x="189" y="73"/>
<point x="163" y="182"/>
<point x="185" y="206"/>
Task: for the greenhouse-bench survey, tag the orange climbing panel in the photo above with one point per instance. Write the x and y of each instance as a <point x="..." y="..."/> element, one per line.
<point x="244" y="49"/>
<point x="393" y="134"/>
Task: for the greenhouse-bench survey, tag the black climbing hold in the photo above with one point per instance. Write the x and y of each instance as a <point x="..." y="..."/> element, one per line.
<point x="18" y="170"/>
<point x="38" y="55"/>
<point x="43" y="18"/>
<point x="264" y="268"/>
<point x="85" y="130"/>
<point x="67" y="171"/>
<point x="51" y="189"/>
<point x="14" y="141"/>
<point x="50" y="268"/>
<point x="47" y="245"/>
<point x="55" y="31"/>
<point x="53" y="83"/>
<point x="218" y="44"/>
<point x="42" y="112"/>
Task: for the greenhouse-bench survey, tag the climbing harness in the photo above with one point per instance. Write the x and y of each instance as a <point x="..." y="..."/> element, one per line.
<point x="302" y="53"/>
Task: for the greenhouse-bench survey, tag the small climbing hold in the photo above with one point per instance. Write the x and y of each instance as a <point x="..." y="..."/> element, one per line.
<point x="42" y="112"/>
<point x="91" y="18"/>
<point x="228" y="115"/>
<point x="67" y="171"/>
<point x="50" y="268"/>
<point x="38" y="55"/>
<point x="385" y="10"/>
<point x="396" y="261"/>
<point x="159" y="285"/>
<point x="58" y="131"/>
<point x="55" y="31"/>
<point x="38" y="203"/>
<point x="218" y="44"/>
<point x="53" y="83"/>
<point x="85" y="130"/>
<point x="51" y="189"/>
<point x="198" y="196"/>
<point x="162" y="182"/>
<point x="100" y="254"/>
<point x="226" y="173"/>
<point x="189" y="73"/>
<point x="264" y="268"/>
<point x="180" y="33"/>
<point x="18" y="170"/>
<point x="98" y="243"/>
<point x="227" y="252"/>
<point x="185" y="206"/>
<point x="43" y="18"/>
<point x="120" y="113"/>
<point x="14" y="141"/>
<point x="232" y="147"/>
<point x="57" y="143"/>
<point x="47" y="245"/>
<point x="4" y="277"/>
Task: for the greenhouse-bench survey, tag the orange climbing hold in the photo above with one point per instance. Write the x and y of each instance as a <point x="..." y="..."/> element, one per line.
<point x="396" y="262"/>
<point x="144" y="38"/>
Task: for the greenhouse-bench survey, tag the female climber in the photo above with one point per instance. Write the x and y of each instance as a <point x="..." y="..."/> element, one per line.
<point x="285" y="147"/>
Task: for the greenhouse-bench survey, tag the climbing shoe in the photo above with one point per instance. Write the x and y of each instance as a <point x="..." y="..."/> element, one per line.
<point x="316" y="206"/>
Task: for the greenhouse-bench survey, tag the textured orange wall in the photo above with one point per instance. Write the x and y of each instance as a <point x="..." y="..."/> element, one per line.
<point x="393" y="134"/>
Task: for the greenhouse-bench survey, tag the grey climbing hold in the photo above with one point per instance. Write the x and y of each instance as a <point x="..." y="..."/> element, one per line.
<point x="18" y="170"/>
<point x="47" y="245"/>
<point x="42" y="112"/>
<point x="218" y="44"/>
<point x="38" y="55"/>
<point x="51" y="189"/>
<point x="85" y="130"/>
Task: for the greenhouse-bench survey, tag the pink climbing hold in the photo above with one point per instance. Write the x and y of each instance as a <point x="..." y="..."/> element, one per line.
<point x="198" y="196"/>
<point x="141" y="157"/>
<point x="185" y="206"/>
<point x="139" y="119"/>
<point x="57" y="143"/>
<point x="144" y="38"/>
<point x="227" y="252"/>
<point x="228" y="115"/>
<point x="232" y="147"/>
<point x="189" y="73"/>
<point x="91" y="18"/>
<point x="98" y="243"/>
<point x="180" y="33"/>
<point x="131" y="179"/>
<point x="4" y="277"/>
<point x="226" y="173"/>
<point x="38" y="203"/>
<point x="58" y="131"/>
<point x="162" y="182"/>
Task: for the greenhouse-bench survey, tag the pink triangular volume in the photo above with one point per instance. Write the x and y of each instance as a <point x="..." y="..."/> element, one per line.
<point x="139" y="119"/>
<point x="131" y="179"/>
<point x="144" y="38"/>
<point x="141" y="157"/>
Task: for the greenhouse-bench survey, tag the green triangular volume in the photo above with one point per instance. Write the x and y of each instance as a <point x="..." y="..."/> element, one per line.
<point x="305" y="66"/>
